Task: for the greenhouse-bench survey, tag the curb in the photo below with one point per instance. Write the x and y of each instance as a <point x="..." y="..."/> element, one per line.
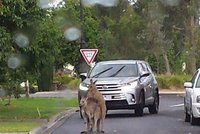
<point x="54" y="122"/>
<point x="172" y="92"/>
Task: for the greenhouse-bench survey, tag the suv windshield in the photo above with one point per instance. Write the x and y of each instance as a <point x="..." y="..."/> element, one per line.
<point x="114" y="70"/>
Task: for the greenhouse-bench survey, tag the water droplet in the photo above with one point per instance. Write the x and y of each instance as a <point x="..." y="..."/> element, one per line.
<point x="44" y="4"/>
<point x="88" y="3"/>
<point x="106" y="3"/>
<point x="72" y="34"/>
<point x="115" y="131"/>
<point x="13" y="62"/>
<point x="21" y="40"/>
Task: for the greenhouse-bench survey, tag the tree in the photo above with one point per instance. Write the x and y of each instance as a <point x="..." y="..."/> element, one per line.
<point x="156" y="38"/>
<point x="192" y="28"/>
<point x="14" y="16"/>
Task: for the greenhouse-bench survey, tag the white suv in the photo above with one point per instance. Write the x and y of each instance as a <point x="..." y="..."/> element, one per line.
<point x="192" y="99"/>
<point x="125" y="84"/>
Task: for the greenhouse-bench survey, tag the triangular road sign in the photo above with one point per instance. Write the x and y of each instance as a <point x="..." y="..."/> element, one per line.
<point x="89" y="55"/>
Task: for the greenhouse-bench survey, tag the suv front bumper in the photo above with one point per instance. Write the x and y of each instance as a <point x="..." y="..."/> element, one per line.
<point x="125" y="98"/>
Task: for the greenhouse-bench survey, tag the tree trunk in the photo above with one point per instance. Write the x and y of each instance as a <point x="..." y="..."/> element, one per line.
<point x="45" y="78"/>
<point x="9" y="100"/>
<point x="192" y="44"/>
<point x="157" y="65"/>
<point x="27" y="88"/>
<point x="166" y="61"/>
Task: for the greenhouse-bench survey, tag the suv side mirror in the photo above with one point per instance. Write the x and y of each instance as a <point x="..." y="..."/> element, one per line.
<point x="83" y="76"/>
<point x="144" y="74"/>
<point x="188" y="85"/>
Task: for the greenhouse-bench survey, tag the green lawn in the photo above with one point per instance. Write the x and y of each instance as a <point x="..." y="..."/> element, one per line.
<point x="23" y="108"/>
<point x="22" y="113"/>
<point x="17" y="126"/>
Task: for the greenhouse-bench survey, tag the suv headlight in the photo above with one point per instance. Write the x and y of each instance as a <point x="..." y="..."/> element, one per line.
<point x="132" y="84"/>
<point x="198" y="99"/>
<point x="83" y="86"/>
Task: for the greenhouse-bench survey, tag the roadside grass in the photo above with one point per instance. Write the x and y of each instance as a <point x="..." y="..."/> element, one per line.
<point x="172" y="81"/>
<point x="24" y="112"/>
<point x="17" y="126"/>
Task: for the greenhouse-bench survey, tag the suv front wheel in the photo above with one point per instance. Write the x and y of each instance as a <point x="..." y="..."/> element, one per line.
<point x="153" y="109"/>
<point x="140" y="107"/>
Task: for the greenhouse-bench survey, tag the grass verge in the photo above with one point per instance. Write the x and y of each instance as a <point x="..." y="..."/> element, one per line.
<point x="17" y="126"/>
<point x="172" y="81"/>
<point x="25" y="114"/>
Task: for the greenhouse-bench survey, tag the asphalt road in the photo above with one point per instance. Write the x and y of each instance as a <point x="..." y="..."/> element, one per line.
<point x="169" y="120"/>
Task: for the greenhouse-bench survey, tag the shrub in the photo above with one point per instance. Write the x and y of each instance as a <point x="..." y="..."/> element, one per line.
<point x="74" y="83"/>
<point x="177" y="81"/>
<point x="63" y="79"/>
<point x="68" y="81"/>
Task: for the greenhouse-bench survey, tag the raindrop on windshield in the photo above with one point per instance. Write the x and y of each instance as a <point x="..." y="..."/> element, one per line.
<point x="44" y="4"/>
<point x="21" y="40"/>
<point x="88" y="3"/>
<point x="14" y="62"/>
<point x="72" y="34"/>
<point x="106" y="3"/>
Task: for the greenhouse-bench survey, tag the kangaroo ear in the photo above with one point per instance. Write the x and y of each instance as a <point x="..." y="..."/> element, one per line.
<point x="91" y="81"/>
<point x="95" y="81"/>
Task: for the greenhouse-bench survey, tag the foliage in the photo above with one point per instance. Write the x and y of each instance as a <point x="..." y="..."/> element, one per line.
<point x="67" y="80"/>
<point x="63" y="79"/>
<point x="164" y="34"/>
<point x="74" y="84"/>
<point x="173" y="81"/>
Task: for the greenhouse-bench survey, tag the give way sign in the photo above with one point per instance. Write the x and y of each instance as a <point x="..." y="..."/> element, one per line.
<point x="89" y="55"/>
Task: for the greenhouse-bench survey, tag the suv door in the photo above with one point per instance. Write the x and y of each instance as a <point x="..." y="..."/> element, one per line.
<point x="147" y="82"/>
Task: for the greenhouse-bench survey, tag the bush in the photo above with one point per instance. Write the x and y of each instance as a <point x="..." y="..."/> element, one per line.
<point x="177" y="81"/>
<point x="68" y="81"/>
<point x="63" y="79"/>
<point x="74" y="84"/>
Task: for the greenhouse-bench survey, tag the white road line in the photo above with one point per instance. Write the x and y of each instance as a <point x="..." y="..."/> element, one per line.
<point x="178" y="105"/>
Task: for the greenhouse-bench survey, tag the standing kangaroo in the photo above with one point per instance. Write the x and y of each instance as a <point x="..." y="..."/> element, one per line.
<point x="93" y="92"/>
<point x="91" y="113"/>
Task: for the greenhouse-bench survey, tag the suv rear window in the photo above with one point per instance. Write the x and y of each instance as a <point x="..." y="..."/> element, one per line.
<point x="114" y="70"/>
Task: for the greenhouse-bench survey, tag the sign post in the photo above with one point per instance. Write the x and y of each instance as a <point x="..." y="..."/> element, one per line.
<point x="89" y="55"/>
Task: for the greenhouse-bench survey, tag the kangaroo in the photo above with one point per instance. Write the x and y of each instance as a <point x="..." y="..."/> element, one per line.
<point x="91" y="113"/>
<point x="93" y="92"/>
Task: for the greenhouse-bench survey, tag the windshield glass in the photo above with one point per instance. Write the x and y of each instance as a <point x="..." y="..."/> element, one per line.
<point x="198" y="82"/>
<point x="114" y="70"/>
